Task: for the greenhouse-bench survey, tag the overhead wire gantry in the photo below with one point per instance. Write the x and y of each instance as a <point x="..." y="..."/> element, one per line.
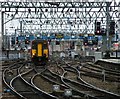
<point x="62" y="17"/>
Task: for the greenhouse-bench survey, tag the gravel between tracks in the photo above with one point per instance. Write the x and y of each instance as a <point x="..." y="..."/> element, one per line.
<point x="109" y="86"/>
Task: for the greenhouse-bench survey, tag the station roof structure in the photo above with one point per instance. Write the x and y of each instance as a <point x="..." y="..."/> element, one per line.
<point x="57" y="16"/>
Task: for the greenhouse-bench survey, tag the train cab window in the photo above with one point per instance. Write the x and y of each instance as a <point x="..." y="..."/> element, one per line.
<point x="34" y="46"/>
<point x="45" y="46"/>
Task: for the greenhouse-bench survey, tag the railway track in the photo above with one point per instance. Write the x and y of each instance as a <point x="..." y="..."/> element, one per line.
<point x="100" y="75"/>
<point x="108" y="65"/>
<point x="96" y="71"/>
<point x="102" y="93"/>
<point x="100" y="68"/>
<point x="59" y="81"/>
<point x="8" y="74"/>
<point x="29" y="82"/>
<point x="69" y="76"/>
<point x="108" y="81"/>
<point x="50" y="79"/>
<point x="46" y="83"/>
<point x="21" y="86"/>
<point x="6" y="64"/>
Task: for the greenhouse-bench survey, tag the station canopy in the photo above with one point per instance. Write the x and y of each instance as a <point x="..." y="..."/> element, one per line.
<point x="26" y="17"/>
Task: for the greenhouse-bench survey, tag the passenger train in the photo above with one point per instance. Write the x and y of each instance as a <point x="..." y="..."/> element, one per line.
<point x="39" y="52"/>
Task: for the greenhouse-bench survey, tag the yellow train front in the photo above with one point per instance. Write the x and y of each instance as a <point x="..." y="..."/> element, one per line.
<point x="39" y="52"/>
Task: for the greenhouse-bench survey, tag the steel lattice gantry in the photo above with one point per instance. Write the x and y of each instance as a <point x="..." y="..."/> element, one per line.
<point x="59" y="17"/>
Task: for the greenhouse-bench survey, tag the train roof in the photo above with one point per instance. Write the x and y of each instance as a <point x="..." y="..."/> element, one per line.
<point x="38" y="40"/>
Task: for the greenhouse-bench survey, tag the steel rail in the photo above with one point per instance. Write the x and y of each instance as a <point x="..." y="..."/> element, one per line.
<point x="32" y="85"/>
<point x="90" y="85"/>
<point x="12" y="89"/>
<point x="107" y="92"/>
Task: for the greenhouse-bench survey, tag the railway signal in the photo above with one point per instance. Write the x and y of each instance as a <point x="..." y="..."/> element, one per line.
<point x="85" y="41"/>
<point x="97" y="28"/>
<point x="112" y="27"/>
<point x="27" y="41"/>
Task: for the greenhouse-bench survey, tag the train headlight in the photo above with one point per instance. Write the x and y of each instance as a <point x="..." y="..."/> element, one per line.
<point x="33" y="54"/>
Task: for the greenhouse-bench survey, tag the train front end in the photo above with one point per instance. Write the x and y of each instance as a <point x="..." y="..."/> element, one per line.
<point x="39" y="52"/>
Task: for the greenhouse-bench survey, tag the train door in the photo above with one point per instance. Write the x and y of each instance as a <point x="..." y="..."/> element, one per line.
<point x="39" y="50"/>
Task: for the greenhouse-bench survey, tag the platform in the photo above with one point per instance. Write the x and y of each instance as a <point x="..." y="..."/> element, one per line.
<point x="115" y="61"/>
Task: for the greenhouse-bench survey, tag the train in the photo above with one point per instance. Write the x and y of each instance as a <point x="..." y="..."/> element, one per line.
<point x="39" y="52"/>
